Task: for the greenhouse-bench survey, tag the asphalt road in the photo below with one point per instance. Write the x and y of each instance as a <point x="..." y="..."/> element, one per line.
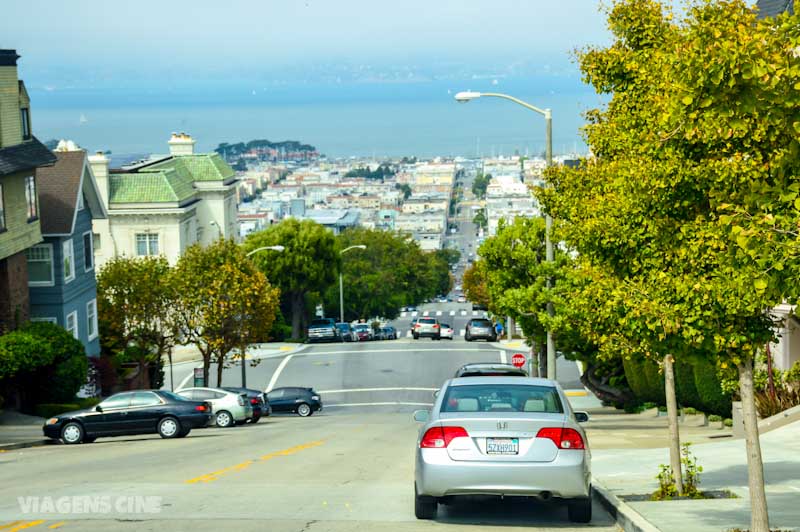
<point x="349" y="467"/>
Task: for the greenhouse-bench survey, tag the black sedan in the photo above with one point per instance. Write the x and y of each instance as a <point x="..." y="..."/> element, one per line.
<point x="128" y="413"/>
<point x="258" y="400"/>
<point x="302" y="401"/>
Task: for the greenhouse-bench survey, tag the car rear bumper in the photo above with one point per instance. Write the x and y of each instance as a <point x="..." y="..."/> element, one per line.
<point x="196" y="421"/>
<point x="322" y="336"/>
<point x="436" y="475"/>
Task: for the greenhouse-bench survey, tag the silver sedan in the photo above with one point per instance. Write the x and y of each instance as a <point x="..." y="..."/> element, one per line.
<point x="504" y="436"/>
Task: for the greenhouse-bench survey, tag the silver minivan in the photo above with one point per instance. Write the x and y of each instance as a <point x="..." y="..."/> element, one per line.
<point x="228" y="408"/>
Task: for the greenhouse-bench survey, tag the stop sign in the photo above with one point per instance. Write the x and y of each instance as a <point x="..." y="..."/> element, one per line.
<point x="518" y="360"/>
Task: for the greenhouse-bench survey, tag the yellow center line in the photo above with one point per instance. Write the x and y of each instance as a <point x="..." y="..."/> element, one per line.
<point x="57" y="525"/>
<point x="214" y="475"/>
<point x="9" y="525"/>
<point x="23" y="526"/>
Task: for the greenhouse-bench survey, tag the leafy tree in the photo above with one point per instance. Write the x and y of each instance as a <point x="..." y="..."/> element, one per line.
<point x="404" y="188"/>
<point x="225" y="302"/>
<point x="480" y="183"/>
<point x="450" y="255"/>
<point x="480" y="219"/>
<point x="474" y="283"/>
<point x="308" y="263"/>
<point x="135" y="301"/>
<point x="691" y="202"/>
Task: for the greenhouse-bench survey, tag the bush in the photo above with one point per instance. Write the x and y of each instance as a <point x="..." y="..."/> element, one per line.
<point x="644" y="380"/>
<point x="706" y="380"/>
<point x="685" y="388"/>
<point x="64" y="376"/>
<point x="89" y="402"/>
<point x="713" y="418"/>
<point x="648" y="405"/>
<point x="689" y="411"/>
<point x="792" y="375"/>
<point x="47" y="410"/>
<point x="727" y="422"/>
<point x="784" y="399"/>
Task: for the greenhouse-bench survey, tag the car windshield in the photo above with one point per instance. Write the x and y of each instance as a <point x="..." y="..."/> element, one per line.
<point x="482" y="323"/>
<point x="173" y="396"/>
<point x="362" y="327"/>
<point x="320" y="323"/>
<point x="502" y="398"/>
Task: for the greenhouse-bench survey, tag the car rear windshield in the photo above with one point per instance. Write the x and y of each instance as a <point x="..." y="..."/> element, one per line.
<point x="502" y="398"/>
<point x="482" y="323"/>
<point x="362" y="327"/>
<point x="427" y="320"/>
<point x="321" y="323"/>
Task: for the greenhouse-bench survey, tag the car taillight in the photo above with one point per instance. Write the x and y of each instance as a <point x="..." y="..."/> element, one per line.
<point x="253" y="401"/>
<point x="200" y="408"/>
<point x="435" y="326"/>
<point x="416" y="325"/>
<point x="440" y="437"/>
<point x="563" y="438"/>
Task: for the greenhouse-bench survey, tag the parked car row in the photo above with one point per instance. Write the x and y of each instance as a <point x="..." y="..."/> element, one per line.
<point x="175" y="414"/>
<point x="494" y="431"/>
<point x="477" y="329"/>
<point x="328" y="330"/>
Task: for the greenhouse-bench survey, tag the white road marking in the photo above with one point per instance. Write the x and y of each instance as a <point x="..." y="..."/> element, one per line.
<point x="380" y="390"/>
<point x="182" y="385"/>
<point x="463" y="332"/>
<point x="438" y="312"/>
<point x="452" y="312"/>
<point x="474" y="312"/>
<point x="413" y="313"/>
<point x="403" y="314"/>
<point x="503" y="359"/>
<point x="371" y="351"/>
<point x="463" y="312"/>
<point x="425" y="313"/>
<point x="277" y="373"/>
<point x="409" y="334"/>
<point x="388" y="403"/>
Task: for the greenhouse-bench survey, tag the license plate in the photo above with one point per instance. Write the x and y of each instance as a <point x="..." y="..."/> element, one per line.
<point x="502" y="446"/>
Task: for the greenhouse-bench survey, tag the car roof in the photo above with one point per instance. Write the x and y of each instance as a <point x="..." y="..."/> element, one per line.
<point x="518" y="381"/>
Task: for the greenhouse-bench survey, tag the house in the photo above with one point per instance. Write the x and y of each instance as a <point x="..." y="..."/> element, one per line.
<point x="165" y="204"/>
<point x="61" y="269"/>
<point x="773" y="8"/>
<point x="20" y="154"/>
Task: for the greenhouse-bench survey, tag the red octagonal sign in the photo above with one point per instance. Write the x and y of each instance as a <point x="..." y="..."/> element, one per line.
<point x="518" y="360"/>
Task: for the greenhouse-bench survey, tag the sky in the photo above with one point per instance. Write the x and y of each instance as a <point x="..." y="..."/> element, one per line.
<point x="100" y="43"/>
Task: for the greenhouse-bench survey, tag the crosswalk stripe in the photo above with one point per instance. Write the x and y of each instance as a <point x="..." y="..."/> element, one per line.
<point x="403" y="314"/>
<point x="409" y="335"/>
<point x="474" y="312"/>
<point x="438" y="312"/>
<point x="425" y="313"/>
<point x="452" y="312"/>
<point x="413" y="313"/>
<point x="462" y="332"/>
<point x="463" y="312"/>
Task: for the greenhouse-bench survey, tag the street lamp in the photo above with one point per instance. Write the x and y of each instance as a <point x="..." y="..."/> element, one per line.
<point x="341" y="282"/>
<point x="213" y="223"/>
<point x="244" y="347"/>
<point x="467" y="96"/>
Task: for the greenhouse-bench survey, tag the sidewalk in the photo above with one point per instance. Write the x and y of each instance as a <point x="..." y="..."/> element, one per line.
<point x="19" y="430"/>
<point x="627" y="450"/>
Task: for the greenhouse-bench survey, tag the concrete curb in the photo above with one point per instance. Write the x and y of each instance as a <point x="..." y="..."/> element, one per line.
<point x="627" y="518"/>
<point x="25" y="444"/>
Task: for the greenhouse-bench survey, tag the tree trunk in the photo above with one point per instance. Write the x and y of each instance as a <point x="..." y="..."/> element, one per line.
<point x="534" y="365"/>
<point x="672" y="417"/>
<point x="297" y="312"/>
<point x="755" y="466"/>
<point x="206" y="366"/>
<point x="220" y="368"/>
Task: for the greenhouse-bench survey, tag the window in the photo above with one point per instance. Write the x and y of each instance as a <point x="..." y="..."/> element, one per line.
<point x="502" y="398"/>
<point x="146" y="244"/>
<point x="25" y="119"/>
<point x="31" y="199"/>
<point x="88" y="251"/>
<point x="145" y="399"/>
<point x="68" y="258"/>
<point x="40" y="265"/>
<point x="96" y="240"/>
<point x="121" y="400"/>
<point x="2" y="211"/>
<point x="91" y="319"/>
<point x="72" y="324"/>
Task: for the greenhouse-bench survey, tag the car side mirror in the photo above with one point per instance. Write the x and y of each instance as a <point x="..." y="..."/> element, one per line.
<point x="436" y="393"/>
<point x="581" y="417"/>
<point x="98" y="408"/>
<point x="422" y="416"/>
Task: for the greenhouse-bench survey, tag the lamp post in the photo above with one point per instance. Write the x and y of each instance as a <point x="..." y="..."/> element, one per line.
<point x="243" y="347"/>
<point x="341" y="282"/>
<point x="466" y="96"/>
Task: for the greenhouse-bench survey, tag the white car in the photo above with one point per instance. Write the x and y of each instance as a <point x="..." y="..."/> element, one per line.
<point x="462" y="299"/>
<point x="228" y="408"/>
<point x="447" y="331"/>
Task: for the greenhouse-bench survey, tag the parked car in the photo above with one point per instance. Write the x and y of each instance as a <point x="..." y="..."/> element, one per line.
<point x="502" y="436"/>
<point x="302" y="401"/>
<point x="323" y="330"/>
<point x="346" y="332"/>
<point x="127" y="413"/>
<point x="490" y="369"/>
<point x="390" y="333"/>
<point x="462" y="299"/>
<point x="258" y="401"/>
<point x="446" y="331"/>
<point x="480" y="329"/>
<point x="479" y="306"/>
<point x="364" y="332"/>
<point x="426" y="327"/>
<point x="228" y="408"/>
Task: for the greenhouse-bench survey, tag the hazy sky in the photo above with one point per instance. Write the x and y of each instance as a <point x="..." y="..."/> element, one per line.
<point x="103" y="41"/>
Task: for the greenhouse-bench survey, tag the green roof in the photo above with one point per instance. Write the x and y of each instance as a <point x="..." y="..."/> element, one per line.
<point x="203" y="166"/>
<point x="151" y="186"/>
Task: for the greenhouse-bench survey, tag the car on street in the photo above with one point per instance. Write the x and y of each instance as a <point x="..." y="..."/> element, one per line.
<point x="301" y="401"/>
<point x="490" y="369"/>
<point x="229" y="408"/>
<point x="462" y="299"/>
<point x="364" y="332"/>
<point x="446" y="331"/>
<point x="323" y="330"/>
<point x="426" y="327"/>
<point x="258" y="401"/>
<point x="128" y="413"/>
<point x="389" y="333"/>
<point x="480" y="329"/>
<point x="346" y="332"/>
<point x="505" y="437"/>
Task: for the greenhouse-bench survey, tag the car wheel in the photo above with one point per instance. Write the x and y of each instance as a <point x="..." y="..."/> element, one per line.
<point x="224" y="419"/>
<point x="255" y="419"/>
<point x="72" y="433"/>
<point x="424" y="507"/>
<point x="303" y="410"/>
<point x="416" y="336"/>
<point x="467" y="338"/>
<point x="169" y="427"/>
<point x="580" y="510"/>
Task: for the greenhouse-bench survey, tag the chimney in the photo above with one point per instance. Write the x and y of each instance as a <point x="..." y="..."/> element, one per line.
<point x="9" y="87"/>
<point x="99" y="165"/>
<point x="181" y="144"/>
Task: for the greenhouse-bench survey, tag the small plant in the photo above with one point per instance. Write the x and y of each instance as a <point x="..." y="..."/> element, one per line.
<point x="691" y="478"/>
<point x="633" y="408"/>
<point x="648" y="405"/>
<point x="662" y="409"/>
<point x="727" y="422"/>
<point x="690" y="411"/>
<point x="714" y="418"/>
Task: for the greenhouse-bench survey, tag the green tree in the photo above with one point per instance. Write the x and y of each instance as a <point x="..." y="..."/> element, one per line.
<point x="135" y="301"/>
<point x="480" y="183"/>
<point x="225" y="302"/>
<point x="404" y="188"/>
<point x="474" y="283"/>
<point x="307" y="265"/>
<point x="692" y="199"/>
<point x="480" y="219"/>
